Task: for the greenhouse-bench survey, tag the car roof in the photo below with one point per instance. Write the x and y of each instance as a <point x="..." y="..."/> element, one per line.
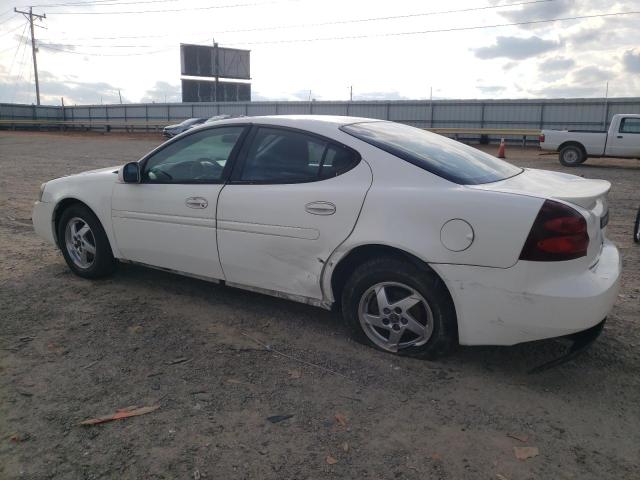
<point x="297" y="121"/>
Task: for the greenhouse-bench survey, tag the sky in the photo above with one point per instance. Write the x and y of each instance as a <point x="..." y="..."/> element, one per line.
<point x="94" y="51"/>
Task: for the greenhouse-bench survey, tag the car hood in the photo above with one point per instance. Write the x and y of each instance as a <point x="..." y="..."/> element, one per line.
<point x="556" y="185"/>
<point x="89" y="175"/>
<point x="99" y="171"/>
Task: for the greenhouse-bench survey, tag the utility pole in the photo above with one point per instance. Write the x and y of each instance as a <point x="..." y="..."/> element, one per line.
<point x="351" y="93"/>
<point x="216" y="66"/>
<point x="120" y="95"/>
<point x="605" y="113"/>
<point x="29" y="16"/>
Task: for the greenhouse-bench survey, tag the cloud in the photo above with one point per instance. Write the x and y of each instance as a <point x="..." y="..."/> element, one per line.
<point x="537" y="11"/>
<point x="52" y="88"/>
<point x="556" y="63"/>
<point x="631" y="61"/>
<point x="55" y="47"/>
<point x="383" y="95"/>
<point x="517" y="48"/>
<point x="600" y="38"/>
<point x="592" y="74"/>
<point x="568" y="91"/>
<point x="491" y="89"/>
<point x="163" y="92"/>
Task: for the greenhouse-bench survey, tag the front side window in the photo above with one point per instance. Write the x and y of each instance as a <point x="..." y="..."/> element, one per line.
<point x="630" y="125"/>
<point x="196" y="158"/>
<point x="286" y="156"/>
<point x="439" y="155"/>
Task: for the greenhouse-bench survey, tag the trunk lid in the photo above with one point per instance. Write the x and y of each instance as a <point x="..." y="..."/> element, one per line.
<point x="590" y="195"/>
<point x="554" y="185"/>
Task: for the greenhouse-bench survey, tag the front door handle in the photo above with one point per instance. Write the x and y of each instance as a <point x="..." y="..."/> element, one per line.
<point x="196" y="202"/>
<point x="320" y="208"/>
<point x="620" y="136"/>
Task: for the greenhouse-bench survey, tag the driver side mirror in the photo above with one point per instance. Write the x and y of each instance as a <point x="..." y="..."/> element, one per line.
<point x="131" y="173"/>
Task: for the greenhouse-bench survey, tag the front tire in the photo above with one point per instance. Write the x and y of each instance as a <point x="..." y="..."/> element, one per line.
<point x="397" y="307"/>
<point x="84" y="243"/>
<point x="636" y="228"/>
<point x="572" y="155"/>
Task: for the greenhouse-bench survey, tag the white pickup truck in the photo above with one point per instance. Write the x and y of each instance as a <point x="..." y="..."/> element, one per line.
<point x="575" y="146"/>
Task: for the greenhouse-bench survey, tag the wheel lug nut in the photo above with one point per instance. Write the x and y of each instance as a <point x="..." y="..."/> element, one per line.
<point x="404" y="321"/>
<point x="398" y="310"/>
<point x="385" y="321"/>
<point x="386" y="311"/>
<point x="396" y="327"/>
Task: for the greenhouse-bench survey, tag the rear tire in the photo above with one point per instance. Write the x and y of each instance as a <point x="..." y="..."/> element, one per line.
<point x="84" y="243"/>
<point x="418" y="318"/>
<point x="572" y="155"/>
<point x="636" y="228"/>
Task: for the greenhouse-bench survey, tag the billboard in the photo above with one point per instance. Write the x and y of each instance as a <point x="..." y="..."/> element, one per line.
<point x="214" y="61"/>
<point x="211" y="91"/>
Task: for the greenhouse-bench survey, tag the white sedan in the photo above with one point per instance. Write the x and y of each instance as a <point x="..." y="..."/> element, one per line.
<point x="421" y="242"/>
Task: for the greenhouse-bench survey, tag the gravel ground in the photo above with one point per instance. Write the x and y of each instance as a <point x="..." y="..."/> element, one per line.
<point x="71" y="349"/>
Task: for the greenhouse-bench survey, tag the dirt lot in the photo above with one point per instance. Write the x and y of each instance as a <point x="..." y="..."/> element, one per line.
<point x="72" y="349"/>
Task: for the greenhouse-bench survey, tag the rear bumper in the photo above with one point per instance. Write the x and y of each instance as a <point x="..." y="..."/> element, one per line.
<point x="531" y="301"/>
<point x="42" y="218"/>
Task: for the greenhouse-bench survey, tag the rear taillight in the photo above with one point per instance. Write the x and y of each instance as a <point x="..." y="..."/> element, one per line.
<point x="541" y="138"/>
<point x="558" y="233"/>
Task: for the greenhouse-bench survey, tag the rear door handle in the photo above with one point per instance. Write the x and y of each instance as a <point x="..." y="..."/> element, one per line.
<point x="320" y="208"/>
<point x="620" y="136"/>
<point x="196" y="202"/>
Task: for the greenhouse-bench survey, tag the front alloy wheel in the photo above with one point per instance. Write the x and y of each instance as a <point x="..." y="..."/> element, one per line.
<point x="80" y="243"/>
<point x="84" y="243"/>
<point x="394" y="316"/>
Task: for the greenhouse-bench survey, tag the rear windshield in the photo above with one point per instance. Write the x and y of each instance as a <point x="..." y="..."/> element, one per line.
<point x="442" y="156"/>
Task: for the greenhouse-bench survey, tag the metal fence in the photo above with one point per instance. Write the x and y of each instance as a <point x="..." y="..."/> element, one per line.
<point x="588" y="114"/>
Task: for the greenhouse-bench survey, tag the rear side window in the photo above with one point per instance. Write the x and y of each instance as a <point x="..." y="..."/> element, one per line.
<point x="287" y="156"/>
<point x="442" y="156"/>
<point x="630" y="125"/>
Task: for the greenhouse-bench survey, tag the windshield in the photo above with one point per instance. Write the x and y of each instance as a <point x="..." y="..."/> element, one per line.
<point x="442" y="156"/>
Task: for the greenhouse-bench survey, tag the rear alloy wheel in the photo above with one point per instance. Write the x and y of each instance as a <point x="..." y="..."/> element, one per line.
<point x="572" y="155"/>
<point x="636" y="229"/>
<point x="398" y="307"/>
<point x="84" y="243"/>
<point x="395" y="316"/>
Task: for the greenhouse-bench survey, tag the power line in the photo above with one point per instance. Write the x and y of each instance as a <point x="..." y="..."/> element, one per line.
<point x="10" y="31"/>
<point x="181" y="10"/>
<point x="341" y="22"/>
<point x="8" y="20"/>
<point x="441" y="30"/>
<point x="100" y="3"/>
<point x="24" y="50"/>
<point x="22" y="38"/>
<point x="354" y="37"/>
<point x="96" y="54"/>
<point x="377" y="19"/>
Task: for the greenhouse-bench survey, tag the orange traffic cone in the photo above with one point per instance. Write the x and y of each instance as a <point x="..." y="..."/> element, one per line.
<point x="501" y="149"/>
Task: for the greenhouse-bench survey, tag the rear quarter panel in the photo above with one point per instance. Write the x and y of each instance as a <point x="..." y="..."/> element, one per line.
<point x="407" y="207"/>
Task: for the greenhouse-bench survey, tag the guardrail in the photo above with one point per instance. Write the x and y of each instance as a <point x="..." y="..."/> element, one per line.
<point x="131" y="125"/>
<point x="500" y="132"/>
<point x="88" y="124"/>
